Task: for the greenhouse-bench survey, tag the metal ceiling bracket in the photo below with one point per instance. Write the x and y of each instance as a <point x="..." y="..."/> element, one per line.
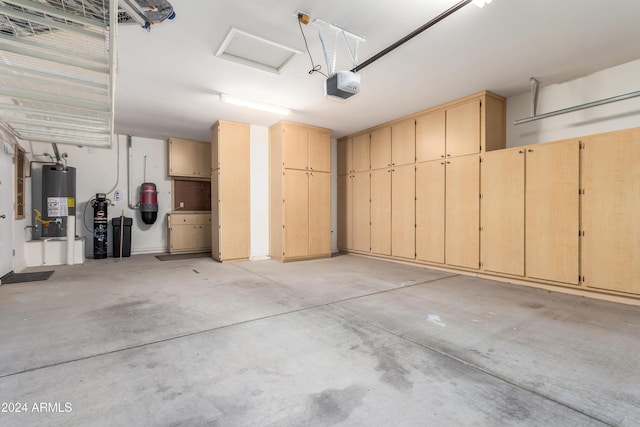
<point x="535" y="87"/>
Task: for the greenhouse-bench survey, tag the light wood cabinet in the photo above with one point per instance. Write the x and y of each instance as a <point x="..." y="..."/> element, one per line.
<point x="403" y="211"/>
<point x="502" y="211"/>
<point x="430" y="211"/>
<point x="463" y="128"/>
<point x="189" y="159"/>
<point x="353" y="212"/>
<point x="300" y="182"/>
<point x="462" y="210"/>
<point x="230" y="191"/>
<point x="393" y="211"/>
<point x="381" y="148"/>
<point x="430" y="135"/>
<point x="610" y="206"/>
<point x="361" y="212"/>
<point x="305" y="147"/>
<point x="381" y="211"/>
<point x="552" y="211"/>
<point x="472" y="125"/>
<point x="189" y="232"/>
<point x="353" y="154"/>
<point x="403" y="142"/>
<point x="345" y="211"/>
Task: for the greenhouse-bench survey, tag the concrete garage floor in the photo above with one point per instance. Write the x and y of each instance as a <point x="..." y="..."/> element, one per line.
<point x="341" y="341"/>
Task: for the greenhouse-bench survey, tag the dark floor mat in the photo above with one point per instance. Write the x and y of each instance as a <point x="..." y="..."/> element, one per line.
<point x="183" y="256"/>
<point x="26" y="277"/>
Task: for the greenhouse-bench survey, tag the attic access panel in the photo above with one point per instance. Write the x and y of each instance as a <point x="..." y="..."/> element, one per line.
<point x="255" y="51"/>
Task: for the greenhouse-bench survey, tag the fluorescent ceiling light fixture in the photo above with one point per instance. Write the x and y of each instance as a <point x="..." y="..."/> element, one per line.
<point x="229" y="99"/>
<point x="481" y="3"/>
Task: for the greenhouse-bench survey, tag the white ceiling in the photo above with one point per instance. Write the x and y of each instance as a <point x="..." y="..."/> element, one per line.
<point x="168" y="79"/>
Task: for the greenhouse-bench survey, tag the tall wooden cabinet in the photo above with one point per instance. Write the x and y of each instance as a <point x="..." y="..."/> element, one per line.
<point x="552" y="211"/>
<point x="430" y="211"/>
<point x="502" y="211"/>
<point x="353" y="193"/>
<point x="230" y="191"/>
<point x="300" y="182"/>
<point x="462" y="212"/>
<point x="610" y="206"/>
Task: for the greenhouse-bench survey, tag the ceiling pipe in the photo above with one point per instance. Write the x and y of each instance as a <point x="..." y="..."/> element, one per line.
<point x="130" y="203"/>
<point x="408" y="37"/>
<point x="578" y="107"/>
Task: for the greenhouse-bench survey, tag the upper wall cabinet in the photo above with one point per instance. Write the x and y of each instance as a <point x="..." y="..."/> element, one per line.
<point x="305" y="147"/>
<point x="381" y="148"/>
<point x="468" y="126"/>
<point x="190" y="159"/>
<point x="353" y="154"/>
<point x="403" y="142"/>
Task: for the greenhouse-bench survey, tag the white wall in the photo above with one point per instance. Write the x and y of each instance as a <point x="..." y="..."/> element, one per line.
<point x="603" y="84"/>
<point x="259" y="158"/>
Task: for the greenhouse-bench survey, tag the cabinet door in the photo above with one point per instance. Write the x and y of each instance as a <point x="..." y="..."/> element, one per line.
<point x="403" y="143"/>
<point x="463" y="129"/>
<point x="215" y="215"/>
<point x="381" y="148"/>
<point x="552" y="212"/>
<point x="295" y="147"/>
<point x="502" y="211"/>
<point x="203" y="160"/>
<point x="319" y="213"/>
<point x="182" y="157"/>
<point x="381" y="211"/>
<point x="462" y="223"/>
<point x="319" y="151"/>
<point x="361" y="153"/>
<point x="430" y="211"/>
<point x="361" y="214"/>
<point x="181" y="237"/>
<point x="296" y="213"/>
<point x="345" y="152"/>
<point x="403" y="211"/>
<point x="430" y="136"/>
<point x="345" y="212"/>
<point x="203" y="237"/>
<point x="610" y="206"/>
<point x="234" y="193"/>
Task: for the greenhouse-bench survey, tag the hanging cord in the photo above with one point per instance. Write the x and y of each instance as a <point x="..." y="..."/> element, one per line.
<point x="314" y="68"/>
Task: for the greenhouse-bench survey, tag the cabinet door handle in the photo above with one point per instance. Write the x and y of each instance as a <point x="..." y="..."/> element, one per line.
<point x="530" y="150"/>
<point x="442" y="156"/>
<point x="521" y="152"/>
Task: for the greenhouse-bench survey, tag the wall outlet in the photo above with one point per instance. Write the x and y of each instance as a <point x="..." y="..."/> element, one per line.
<point x="117" y="196"/>
<point x="182" y="204"/>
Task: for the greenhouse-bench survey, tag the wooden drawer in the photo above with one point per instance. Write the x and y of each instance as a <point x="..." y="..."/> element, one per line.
<point x="176" y="219"/>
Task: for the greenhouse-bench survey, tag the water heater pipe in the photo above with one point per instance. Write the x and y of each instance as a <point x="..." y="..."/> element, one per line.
<point x="129" y="192"/>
